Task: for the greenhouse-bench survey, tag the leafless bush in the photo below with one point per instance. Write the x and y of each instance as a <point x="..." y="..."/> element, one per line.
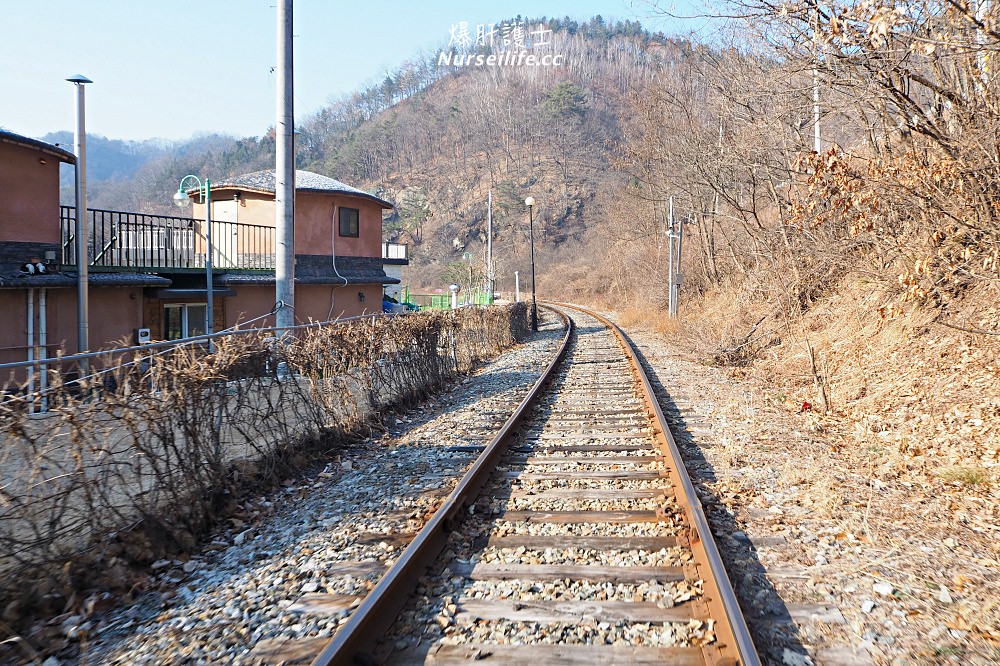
<point x="152" y="453"/>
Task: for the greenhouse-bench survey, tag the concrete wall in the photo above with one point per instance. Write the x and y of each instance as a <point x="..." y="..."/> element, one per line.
<point x="29" y="204"/>
<point x="115" y="313"/>
<point x="314" y="220"/>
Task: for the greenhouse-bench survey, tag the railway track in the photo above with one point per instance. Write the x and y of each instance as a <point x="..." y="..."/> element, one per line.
<point x="575" y="538"/>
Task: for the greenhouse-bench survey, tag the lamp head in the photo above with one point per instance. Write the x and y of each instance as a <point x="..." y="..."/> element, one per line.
<point x="79" y="78"/>
<point x="529" y="202"/>
<point x="181" y="198"/>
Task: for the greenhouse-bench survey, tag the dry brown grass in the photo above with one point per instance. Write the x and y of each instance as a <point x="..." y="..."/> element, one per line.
<point x="650" y="318"/>
<point x="904" y="467"/>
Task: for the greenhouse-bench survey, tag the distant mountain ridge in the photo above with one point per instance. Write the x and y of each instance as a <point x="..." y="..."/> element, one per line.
<point x="110" y="158"/>
<point x="435" y="140"/>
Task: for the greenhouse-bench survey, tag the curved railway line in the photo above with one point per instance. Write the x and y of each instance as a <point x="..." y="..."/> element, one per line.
<point x="575" y="538"/>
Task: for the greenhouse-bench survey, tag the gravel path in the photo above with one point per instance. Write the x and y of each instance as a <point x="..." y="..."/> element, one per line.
<point x="321" y="541"/>
<point x="531" y="580"/>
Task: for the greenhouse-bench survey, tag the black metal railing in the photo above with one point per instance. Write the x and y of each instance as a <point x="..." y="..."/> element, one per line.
<point x="154" y="242"/>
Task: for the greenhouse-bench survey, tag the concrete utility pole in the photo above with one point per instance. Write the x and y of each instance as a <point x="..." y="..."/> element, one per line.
<point x="490" y="288"/>
<point x="817" y="137"/>
<point x="674" y="276"/>
<point x="284" y="176"/>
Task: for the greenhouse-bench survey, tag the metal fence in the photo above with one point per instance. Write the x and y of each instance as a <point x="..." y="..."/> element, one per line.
<point x="119" y="239"/>
<point x="443" y="301"/>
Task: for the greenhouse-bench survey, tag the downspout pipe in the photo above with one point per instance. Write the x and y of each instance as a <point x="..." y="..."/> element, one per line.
<point x="333" y="259"/>
<point x="43" y="351"/>
<point x="31" y="351"/>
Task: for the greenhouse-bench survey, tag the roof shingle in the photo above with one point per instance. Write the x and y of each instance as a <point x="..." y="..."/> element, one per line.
<point x="305" y="181"/>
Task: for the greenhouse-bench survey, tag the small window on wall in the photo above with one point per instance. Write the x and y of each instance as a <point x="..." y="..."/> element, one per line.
<point x="349" y="222"/>
<point x="183" y="320"/>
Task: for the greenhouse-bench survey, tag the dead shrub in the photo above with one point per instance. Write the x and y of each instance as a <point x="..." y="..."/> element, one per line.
<point x="145" y="457"/>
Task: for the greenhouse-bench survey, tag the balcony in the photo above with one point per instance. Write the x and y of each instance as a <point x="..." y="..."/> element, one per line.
<point x="394" y="253"/>
<point x="160" y="242"/>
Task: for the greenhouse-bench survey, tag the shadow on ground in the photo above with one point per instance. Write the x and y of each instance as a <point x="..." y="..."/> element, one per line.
<point x="771" y="625"/>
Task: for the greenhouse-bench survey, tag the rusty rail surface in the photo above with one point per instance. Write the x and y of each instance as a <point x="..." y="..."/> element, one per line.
<point x="721" y="598"/>
<point x="380" y="607"/>
<point x="355" y="641"/>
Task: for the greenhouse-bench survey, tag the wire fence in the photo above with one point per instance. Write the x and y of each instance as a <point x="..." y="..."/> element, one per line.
<point x="143" y="457"/>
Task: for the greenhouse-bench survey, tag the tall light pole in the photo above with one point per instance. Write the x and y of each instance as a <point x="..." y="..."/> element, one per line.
<point x="284" y="176"/>
<point x="82" y="232"/>
<point x="182" y="199"/>
<point x="530" y="203"/>
<point x="468" y="257"/>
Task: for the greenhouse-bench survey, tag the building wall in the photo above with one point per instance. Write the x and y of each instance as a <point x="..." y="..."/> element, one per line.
<point x="313" y="302"/>
<point x="60" y="316"/>
<point x="369" y="240"/>
<point x="13" y="304"/>
<point x="29" y="207"/>
<point x="115" y="313"/>
<point x="314" y="220"/>
<point x="248" y="303"/>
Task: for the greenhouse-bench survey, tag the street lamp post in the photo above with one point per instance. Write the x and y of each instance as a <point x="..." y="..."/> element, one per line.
<point x="468" y="257"/>
<point x="182" y="199"/>
<point x="82" y="232"/>
<point x="530" y="203"/>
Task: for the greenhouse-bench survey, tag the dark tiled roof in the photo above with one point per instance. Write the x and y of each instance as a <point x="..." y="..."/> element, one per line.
<point x="48" y="281"/>
<point x="63" y="280"/>
<point x="319" y="269"/>
<point x="126" y="280"/>
<point x="15" y="254"/>
<point x="305" y="181"/>
<point x="267" y="278"/>
<point x="55" y="151"/>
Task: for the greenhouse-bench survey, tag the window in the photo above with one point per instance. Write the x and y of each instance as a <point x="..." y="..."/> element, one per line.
<point x="349" y="222"/>
<point x="183" y="320"/>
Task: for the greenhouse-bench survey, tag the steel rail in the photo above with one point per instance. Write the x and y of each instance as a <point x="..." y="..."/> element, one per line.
<point x="719" y="592"/>
<point x="351" y="644"/>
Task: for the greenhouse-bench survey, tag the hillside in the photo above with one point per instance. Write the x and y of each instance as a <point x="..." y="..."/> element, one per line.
<point x="548" y="132"/>
<point x="436" y="139"/>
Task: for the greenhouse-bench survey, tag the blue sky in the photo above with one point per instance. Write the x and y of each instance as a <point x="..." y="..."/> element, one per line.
<point x="164" y="71"/>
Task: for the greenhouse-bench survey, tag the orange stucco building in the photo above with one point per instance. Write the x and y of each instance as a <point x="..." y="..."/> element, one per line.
<point x="337" y="243"/>
<point x="38" y="293"/>
<point x="148" y="271"/>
